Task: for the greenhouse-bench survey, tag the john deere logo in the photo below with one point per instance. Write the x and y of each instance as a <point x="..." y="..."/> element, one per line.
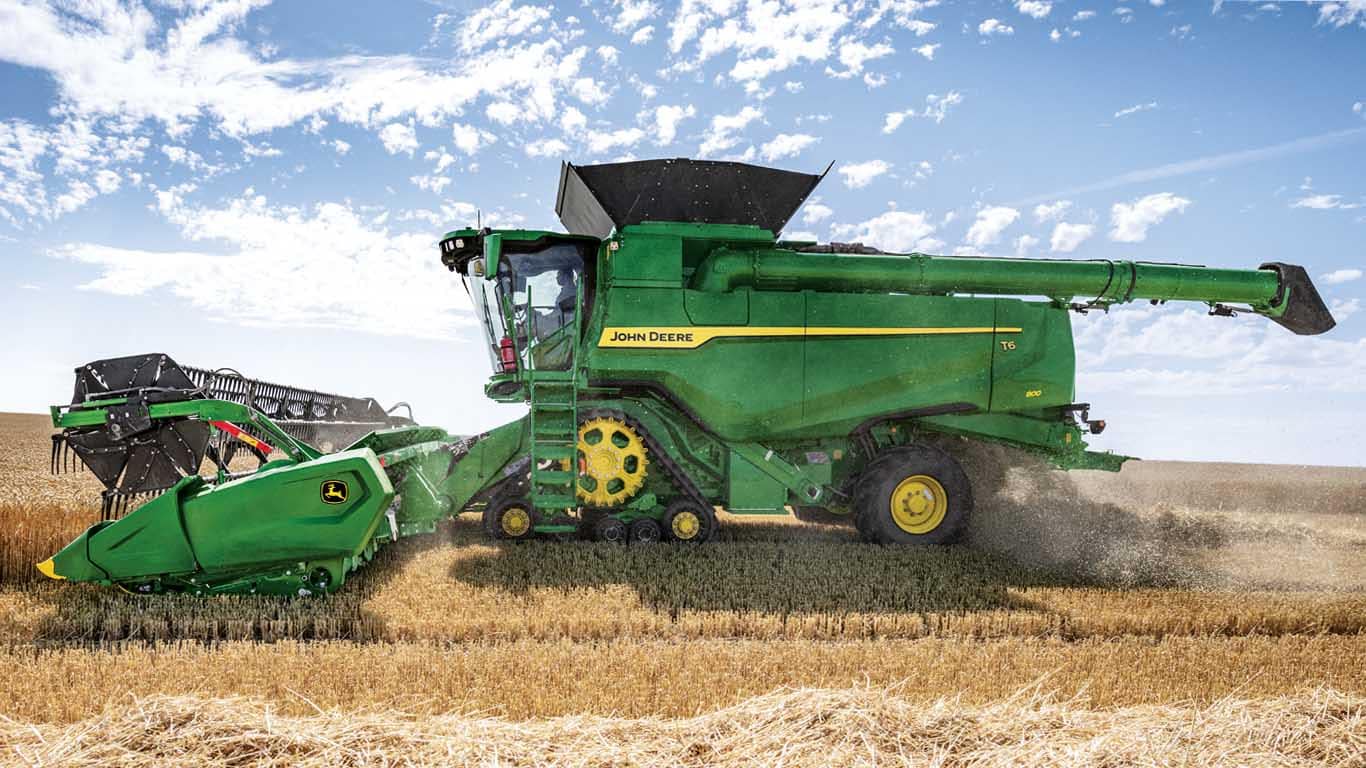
<point x="334" y="492"/>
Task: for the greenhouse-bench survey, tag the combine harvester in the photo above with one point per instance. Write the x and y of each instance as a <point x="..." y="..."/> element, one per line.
<point x="675" y="356"/>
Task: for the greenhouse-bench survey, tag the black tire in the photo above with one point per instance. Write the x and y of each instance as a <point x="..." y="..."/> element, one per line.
<point x="687" y="521"/>
<point x="608" y="528"/>
<point x="498" y="527"/>
<point x="823" y="516"/>
<point x="643" y="531"/>
<point x="915" y="475"/>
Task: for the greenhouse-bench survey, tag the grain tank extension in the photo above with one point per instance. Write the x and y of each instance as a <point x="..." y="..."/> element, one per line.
<point x="676" y="356"/>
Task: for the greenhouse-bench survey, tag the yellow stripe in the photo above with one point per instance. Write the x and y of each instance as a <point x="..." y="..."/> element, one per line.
<point x="693" y="336"/>
<point x="248" y="439"/>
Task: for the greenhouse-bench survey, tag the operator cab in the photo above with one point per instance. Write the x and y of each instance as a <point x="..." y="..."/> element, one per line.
<point x="526" y="288"/>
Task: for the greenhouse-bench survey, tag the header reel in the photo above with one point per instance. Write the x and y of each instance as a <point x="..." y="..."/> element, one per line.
<point x="136" y="456"/>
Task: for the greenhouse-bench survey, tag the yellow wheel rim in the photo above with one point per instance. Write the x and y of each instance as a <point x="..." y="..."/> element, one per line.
<point x="516" y="522"/>
<point x="686" y="525"/>
<point x="919" y="504"/>
<point x="612" y="462"/>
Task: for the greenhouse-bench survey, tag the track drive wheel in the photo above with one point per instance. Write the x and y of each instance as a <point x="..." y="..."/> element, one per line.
<point x="612" y="459"/>
<point x="510" y="519"/>
<point x="643" y="531"/>
<point x="915" y="494"/>
<point x="686" y="520"/>
<point x="608" y="528"/>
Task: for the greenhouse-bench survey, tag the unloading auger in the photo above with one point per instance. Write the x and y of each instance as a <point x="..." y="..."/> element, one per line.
<point x="676" y="357"/>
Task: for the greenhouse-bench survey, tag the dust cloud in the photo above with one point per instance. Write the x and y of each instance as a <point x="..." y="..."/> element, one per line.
<point x="1132" y="529"/>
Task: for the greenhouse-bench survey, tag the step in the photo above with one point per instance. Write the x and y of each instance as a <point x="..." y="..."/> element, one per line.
<point x="553" y="501"/>
<point x="552" y="377"/>
<point x="552" y="476"/>
<point x="542" y="405"/>
<point x="553" y="451"/>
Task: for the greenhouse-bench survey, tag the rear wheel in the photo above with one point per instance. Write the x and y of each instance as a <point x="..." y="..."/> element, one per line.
<point x="510" y="519"/>
<point x="913" y="495"/>
<point x="686" y="520"/>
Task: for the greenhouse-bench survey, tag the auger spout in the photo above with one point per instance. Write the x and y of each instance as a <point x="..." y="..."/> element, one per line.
<point x="1282" y="292"/>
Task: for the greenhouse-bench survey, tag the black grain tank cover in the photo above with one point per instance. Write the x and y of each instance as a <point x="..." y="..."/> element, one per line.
<point x="595" y="199"/>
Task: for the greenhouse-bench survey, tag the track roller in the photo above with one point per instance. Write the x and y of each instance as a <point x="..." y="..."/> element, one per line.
<point x="688" y="521"/>
<point x="643" y="531"/>
<point x="510" y="519"/>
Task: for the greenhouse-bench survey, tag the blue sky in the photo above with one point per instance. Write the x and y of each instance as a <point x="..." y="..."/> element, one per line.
<point x="262" y="185"/>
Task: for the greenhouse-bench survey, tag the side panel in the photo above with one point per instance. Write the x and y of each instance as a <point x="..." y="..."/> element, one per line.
<point x="290" y="514"/>
<point x="750" y="490"/>
<point x="852" y="378"/>
<point x="1035" y="368"/>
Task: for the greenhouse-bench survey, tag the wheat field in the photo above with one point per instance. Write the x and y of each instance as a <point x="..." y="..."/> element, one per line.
<point x="1135" y="609"/>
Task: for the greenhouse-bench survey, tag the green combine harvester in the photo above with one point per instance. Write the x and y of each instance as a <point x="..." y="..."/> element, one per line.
<point x="676" y="356"/>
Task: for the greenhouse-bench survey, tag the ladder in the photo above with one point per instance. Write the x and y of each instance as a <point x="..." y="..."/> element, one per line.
<point x="555" y="428"/>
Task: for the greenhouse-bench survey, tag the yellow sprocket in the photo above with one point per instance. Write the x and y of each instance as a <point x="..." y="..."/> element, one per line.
<point x="612" y="462"/>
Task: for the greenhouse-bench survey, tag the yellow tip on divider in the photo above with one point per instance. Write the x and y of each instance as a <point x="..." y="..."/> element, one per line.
<point x="48" y="569"/>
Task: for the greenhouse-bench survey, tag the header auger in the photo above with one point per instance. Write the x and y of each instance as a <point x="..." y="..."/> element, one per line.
<point x="676" y="357"/>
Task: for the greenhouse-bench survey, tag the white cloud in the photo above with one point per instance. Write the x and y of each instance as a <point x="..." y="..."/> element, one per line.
<point x="34" y="160"/>
<point x="1323" y="202"/>
<point x="896" y="231"/>
<point x="604" y="141"/>
<point x="1066" y="237"/>
<point x="630" y="13"/>
<point x="721" y="136"/>
<point x="859" y="175"/>
<point x="339" y="146"/>
<point x="990" y="223"/>
<point x="1135" y="108"/>
<point x="399" y="137"/>
<point x="1083" y="15"/>
<point x="894" y="120"/>
<point x="1024" y="244"/>
<point x="546" y="148"/>
<point x="1340" y="276"/>
<point x="814" y="212"/>
<point x="1055" y="35"/>
<point x="609" y="55"/>
<point x="936" y="109"/>
<point x="1050" y="211"/>
<point x="642" y="35"/>
<point x="1037" y="9"/>
<point x="927" y="50"/>
<point x="1183" y="32"/>
<point x="1145" y="351"/>
<point x="1359" y="108"/>
<point x="1344" y="308"/>
<point x="126" y="61"/>
<point x="572" y="121"/>
<point x="994" y="27"/>
<point x="589" y="91"/>
<point x="433" y="184"/>
<point x="469" y="139"/>
<point x="853" y="54"/>
<point x="1342" y="13"/>
<point x="501" y="20"/>
<point x="1125" y="15"/>
<point x="786" y="145"/>
<point x="666" y="120"/>
<point x="330" y="267"/>
<point x="1132" y="220"/>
